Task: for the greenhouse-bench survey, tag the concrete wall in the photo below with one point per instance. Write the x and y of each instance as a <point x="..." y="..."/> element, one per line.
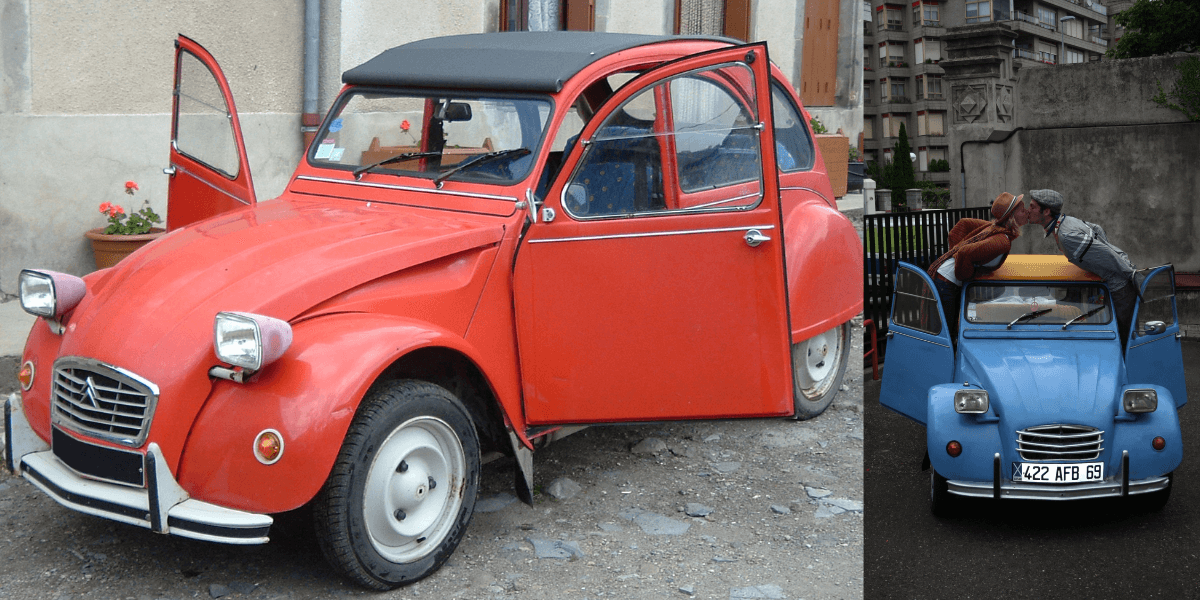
<point x="1091" y="132"/>
<point x="85" y="104"/>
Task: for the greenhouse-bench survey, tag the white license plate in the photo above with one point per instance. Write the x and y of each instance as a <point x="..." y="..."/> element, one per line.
<point x="1058" y="473"/>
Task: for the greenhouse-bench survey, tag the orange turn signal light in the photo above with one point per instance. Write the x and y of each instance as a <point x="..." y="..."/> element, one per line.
<point x="953" y="448"/>
<point x="268" y="447"/>
<point x="25" y="376"/>
<point x="1159" y="443"/>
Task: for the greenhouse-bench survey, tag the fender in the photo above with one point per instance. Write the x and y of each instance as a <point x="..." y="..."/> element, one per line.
<point x="1136" y="435"/>
<point x="309" y="396"/>
<point x="824" y="266"/>
<point x="978" y="434"/>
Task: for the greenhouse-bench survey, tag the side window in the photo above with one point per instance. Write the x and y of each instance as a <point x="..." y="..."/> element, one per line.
<point x="204" y="129"/>
<point x="621" y="169"/>
<point x="701" y="124"/>
<point x="716" y="143"/>
<point x="1158" y="300"/>
<point x="915" y="304"/>
<point x="793" y="146"/>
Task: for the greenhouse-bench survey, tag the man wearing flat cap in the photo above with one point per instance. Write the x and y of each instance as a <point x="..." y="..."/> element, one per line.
<point x="1086" y="247"/>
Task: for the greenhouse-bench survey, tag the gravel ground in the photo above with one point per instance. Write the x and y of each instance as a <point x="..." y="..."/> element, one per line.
<point x="761" y="508"/>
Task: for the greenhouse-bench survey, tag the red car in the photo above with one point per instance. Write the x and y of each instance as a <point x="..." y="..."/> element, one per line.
<point x="493" y="237"/>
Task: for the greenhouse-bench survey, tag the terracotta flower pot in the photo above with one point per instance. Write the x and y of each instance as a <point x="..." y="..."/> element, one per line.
<point x="109" y="249"/>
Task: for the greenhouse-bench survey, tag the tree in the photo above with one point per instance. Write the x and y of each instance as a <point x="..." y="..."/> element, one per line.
<point x="900" y="175"/>
<point x="1158" y="27"/>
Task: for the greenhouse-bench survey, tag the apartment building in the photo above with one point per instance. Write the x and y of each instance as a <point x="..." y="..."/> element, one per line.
<point x="903" y="82"/>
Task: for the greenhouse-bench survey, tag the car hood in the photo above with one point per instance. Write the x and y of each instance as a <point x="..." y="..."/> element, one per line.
<point x="153" y="313"/>
<point x="1038" y="382"/>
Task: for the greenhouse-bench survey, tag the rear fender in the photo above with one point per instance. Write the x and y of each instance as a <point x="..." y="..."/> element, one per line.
<point x="824" y="266"/>
<point x="310" y="397"/>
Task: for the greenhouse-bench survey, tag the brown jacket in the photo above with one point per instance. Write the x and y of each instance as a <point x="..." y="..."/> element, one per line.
<point x="966" y="256"/>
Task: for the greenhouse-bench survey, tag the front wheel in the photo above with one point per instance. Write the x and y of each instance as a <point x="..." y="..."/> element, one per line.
<point x="403" y="488"/>
<point x="818" y="365"/>
<point x="939" y="495"/>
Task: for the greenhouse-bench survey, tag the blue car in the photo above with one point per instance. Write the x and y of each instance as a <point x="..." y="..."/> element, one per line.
<point x="1037" y="398"/>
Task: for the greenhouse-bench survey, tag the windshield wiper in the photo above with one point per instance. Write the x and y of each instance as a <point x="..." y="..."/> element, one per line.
<point x="479" y="159"/>
<point x="1084" y="315"/>
<point x="1028" y="315"/>
<point x="387" y="161"/>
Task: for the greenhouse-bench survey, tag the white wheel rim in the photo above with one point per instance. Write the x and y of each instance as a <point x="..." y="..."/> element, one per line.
<point x="816" y="362"/>
<point x="414" y="489"/>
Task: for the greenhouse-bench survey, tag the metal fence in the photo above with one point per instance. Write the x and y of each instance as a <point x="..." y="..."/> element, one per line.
<point x="918" y="238"/>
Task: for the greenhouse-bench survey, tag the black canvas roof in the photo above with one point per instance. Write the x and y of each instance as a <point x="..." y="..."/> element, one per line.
<point x="537" y="61"/>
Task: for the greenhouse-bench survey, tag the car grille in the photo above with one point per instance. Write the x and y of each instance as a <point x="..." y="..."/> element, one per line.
<point x="1060" y="442"/>
<point x="103" y="401"/>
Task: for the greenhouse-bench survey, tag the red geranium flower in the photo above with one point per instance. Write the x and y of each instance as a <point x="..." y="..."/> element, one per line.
<point x="105" y="207"/>
<point x="404" y="125"/>
<point x="130" y="187"/>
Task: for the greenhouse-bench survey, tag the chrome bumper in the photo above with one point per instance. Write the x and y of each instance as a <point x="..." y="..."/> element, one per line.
<point x="162" y="506"/>
<point x="1115" y="487"/>
<point x="1079" y="491"/>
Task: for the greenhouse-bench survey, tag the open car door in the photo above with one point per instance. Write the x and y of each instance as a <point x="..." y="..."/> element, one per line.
<point x="209" y="171"/>
<point x="653" y="288"/>
<point x="1155" y="353"/>
<point x="919" y="353"/>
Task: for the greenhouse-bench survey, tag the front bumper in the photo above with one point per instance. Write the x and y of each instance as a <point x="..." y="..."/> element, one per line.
<point x="1112" y="488"/>
<point x="162" y="506"/>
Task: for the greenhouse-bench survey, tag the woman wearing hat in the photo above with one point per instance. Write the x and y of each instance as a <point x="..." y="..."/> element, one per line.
<point x="976" y="246"/>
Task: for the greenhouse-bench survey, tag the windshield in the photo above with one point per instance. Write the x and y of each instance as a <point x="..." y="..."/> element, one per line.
<point x="427" y="135"/>
<point x="1055" y="304"/>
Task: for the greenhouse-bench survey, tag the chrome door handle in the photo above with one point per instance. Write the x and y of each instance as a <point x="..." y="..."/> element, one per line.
<point x="755" y="237"/>
<point x="169" y="171"/>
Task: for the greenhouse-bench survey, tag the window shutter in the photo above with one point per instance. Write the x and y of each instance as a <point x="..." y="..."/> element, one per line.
<point x="580" y="15"/>
<point x="818" y="72"/>
<point x="737" y="19"/>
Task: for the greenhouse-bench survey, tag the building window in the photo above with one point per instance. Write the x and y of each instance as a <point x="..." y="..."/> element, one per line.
<point x="897" y="120"/>
<point x="933" y="88"/>
<point x="1045" y="18"/>
<point x="935" y="123"/>
<point x="707" y="17"/>
<point x="923" y="158"/>
<point x="895" y="55"/>
<point x="869" y="128"/>
<point x="1072" y="56"/>
<point x="919" y="50"/>
<point x="920" y="87"/>
<point x="895" y="16"/>
<point x="883" y="90"/>
<point x="933" y="51"/>
<point x="979" y="11"/>
<point x="937" y="153"/>
<point x="887" y="126"/>
<point x="866" y="91"/>
<point x="932" y="16"/>
<point x="898" y="94"/>
<point x="546" y="15"/>
<point x="921" y="123"/>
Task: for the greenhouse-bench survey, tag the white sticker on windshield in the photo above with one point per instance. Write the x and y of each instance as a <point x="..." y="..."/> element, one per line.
<point x="324" y="150"/>
<point x="336" y="155"/>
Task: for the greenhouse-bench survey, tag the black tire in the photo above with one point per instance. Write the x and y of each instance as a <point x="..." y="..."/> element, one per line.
<point x="818" y="365"/>
<point x="940" y="502"/>
<point x="406" y="526"/>
<point x="1155" y="501"/>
